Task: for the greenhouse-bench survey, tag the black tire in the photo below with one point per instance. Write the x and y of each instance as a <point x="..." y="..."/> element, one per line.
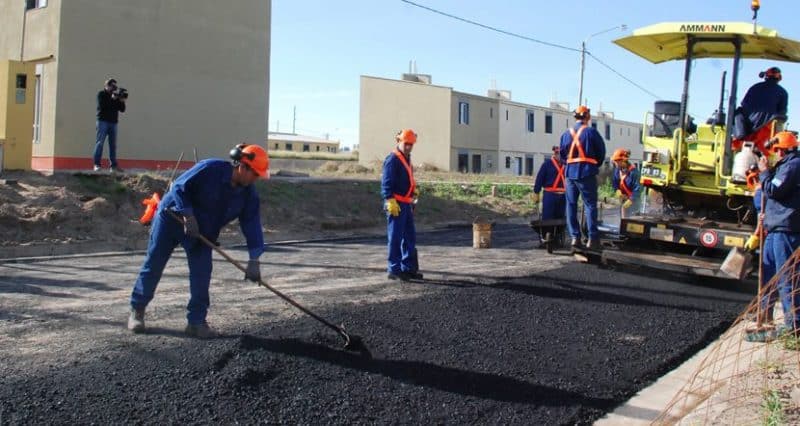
<point x="548" y="237"/>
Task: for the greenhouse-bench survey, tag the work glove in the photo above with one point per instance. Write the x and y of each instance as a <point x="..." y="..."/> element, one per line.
<point x="627" y="203"/>
<point x="253" y="272"/>
<point x="752" y="243"/>
<point x="416" y="192"/>
<point x="619" y="194"/>
<point x="534" y="197"/>
<point x="190" y="227"/>
<point x="392" y="207"/>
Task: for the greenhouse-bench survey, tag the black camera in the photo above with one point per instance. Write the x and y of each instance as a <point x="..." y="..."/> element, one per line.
<point x="121" y="93"/>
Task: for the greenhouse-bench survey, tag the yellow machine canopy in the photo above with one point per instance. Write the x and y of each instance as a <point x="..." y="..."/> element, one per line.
<point x="668" y="41"/>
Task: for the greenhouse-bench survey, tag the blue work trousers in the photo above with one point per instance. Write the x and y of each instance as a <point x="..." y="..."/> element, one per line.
<point x="778" y="247"/>
<point x="554" y="205"/>
<point x="402" y="236"/>
<point x="165" y="235"/>
<point x="106" y="129"/>
<point x="587" y="189"/>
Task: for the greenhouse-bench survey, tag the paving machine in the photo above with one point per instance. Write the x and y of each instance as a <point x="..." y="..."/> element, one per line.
<point x="697" y="204"/>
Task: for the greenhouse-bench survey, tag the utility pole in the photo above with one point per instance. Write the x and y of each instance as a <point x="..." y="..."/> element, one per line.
<point x="294" y="119"/>
<point x="622" y="27"/>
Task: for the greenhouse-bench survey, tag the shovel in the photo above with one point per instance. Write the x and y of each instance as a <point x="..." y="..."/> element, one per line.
<point x="737" y="262"/>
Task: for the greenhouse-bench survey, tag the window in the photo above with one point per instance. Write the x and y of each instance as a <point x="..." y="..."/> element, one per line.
<point x="506" y="115"/>
<point x="35" y="4"/>
<point x="508" y="162"/>
<point x="491" y="112"/>
<point x="276" y="146"/>
<point x="548" y="122"/>
<point x="288" y="147"/>
<point x="463" y="162"/>
<point x="463" y="113"/>
<point x="530" y="121"/>
<point x="317" y="148"/>
<point x="306" y="147"/>
<point x="594" y="125"/>
<point x="608" y="131"/>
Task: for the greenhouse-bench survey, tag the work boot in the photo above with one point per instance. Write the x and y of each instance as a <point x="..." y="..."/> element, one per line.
<point x="575" y="243"/>
<point x="96" y="168"/>
<point x="136" y="320"/>
<point x="594" y="244"/>
<point x="116" y="169"/>
<point x="394" y="277"/>
<point x="408" y="275"/>
<point x="200" y="331"/>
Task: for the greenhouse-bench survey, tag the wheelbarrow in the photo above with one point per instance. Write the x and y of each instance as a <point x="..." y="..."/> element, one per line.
<point x="552" y="232"/>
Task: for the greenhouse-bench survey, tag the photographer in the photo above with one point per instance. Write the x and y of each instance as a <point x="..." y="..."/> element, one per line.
<point x="110" y="102"/>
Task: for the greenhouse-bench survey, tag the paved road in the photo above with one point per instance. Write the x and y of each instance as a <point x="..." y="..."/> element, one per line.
<point x="507" y="335"/>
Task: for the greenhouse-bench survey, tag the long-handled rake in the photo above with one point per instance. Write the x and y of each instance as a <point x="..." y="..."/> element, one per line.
<point x="351" y="342"/>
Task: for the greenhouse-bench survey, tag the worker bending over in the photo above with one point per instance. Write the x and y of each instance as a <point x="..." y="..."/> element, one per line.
<point x="625" y="182"/>
<point x="205" y="198"/>
<point x="399" y="192"/>
<point x="551" y="179"/>
<point x="582" y="151"/>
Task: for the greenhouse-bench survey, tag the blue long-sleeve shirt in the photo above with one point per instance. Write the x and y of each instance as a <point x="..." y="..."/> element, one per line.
<point x="394" y="178"/>
<point x="763" y="101"/>
<point x="205" y="192"/>
<point x="593" y="146"/>
<point x="782" y="189"/>
<point x="631" y="181"/>
<point x="547" y="175"/>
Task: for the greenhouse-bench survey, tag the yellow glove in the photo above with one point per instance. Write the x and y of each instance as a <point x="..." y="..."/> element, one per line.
<point x="627" y="203"/>
<point x="416" y="192"/>
<point x="619" y="194"/>
<point x="534" y="197"/>
<point x="392" y="207"/>
<point x="752" y="243"/>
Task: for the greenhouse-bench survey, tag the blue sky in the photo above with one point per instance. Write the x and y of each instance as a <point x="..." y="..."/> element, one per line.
<point x="321" y="47"/>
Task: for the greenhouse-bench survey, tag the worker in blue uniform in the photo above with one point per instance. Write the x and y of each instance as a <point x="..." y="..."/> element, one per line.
<point x="782" y="225"/>
<point x="763" y="102"/>
<point x="582" y="151"/>
<point x="399" y="193"/>
<point x="200" y="202"/>
<point x="625" y="181"/>
<point x="550" y="179"/>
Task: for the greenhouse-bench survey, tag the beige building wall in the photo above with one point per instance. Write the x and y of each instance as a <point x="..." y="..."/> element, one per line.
<point x="478" y="138"/>
<point x="197" y="72"/>
<point x="387" y="106"/>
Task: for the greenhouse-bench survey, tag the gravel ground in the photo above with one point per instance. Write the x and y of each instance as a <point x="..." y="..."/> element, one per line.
<point x="558" y="345"/>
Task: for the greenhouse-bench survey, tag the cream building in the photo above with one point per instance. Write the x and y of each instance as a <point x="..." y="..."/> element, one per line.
<point x="472" y="133"/>
<point x="300" y="143"/>
<point x="197" y="72"/>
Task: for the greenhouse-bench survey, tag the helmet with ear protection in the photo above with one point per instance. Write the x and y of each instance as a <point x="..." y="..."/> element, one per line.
<point x="253" y="156"/>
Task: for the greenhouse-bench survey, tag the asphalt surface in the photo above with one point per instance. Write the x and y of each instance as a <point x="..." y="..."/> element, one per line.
<point x="508" y="335"/>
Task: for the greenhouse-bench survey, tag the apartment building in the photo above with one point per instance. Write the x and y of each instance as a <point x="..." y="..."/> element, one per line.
<point x="197" y="72"/>
<point x="300" y="143"/>
<point x="472" y="133"/>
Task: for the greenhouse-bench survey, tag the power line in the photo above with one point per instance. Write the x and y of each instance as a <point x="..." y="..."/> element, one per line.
<point x="622" y="76"/>
<point x="488" y="27"/>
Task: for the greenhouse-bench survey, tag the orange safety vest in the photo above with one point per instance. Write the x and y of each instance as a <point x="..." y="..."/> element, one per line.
<point x="624" y="186"/>
<point x="407" y="198"/>
<point x="558" y="184"/>
<point x="576" y="143"/>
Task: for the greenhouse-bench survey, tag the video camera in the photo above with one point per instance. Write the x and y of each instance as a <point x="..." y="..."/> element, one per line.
<point x="120" y="93"/>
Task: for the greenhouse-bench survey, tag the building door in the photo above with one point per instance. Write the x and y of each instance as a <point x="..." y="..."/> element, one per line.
<point x="529" y="165"/>
<point x="518" y="166"/>
<point x="463" y="163"/>
<point x="476" y="163"/>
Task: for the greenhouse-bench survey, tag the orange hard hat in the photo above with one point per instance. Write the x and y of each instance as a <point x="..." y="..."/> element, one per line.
<point x="784" y="140"/>
<point x="620" y="154"/>
<point x="252" y="156"/>
<point x="582" y="112"/>
<point x="406" y="136"/>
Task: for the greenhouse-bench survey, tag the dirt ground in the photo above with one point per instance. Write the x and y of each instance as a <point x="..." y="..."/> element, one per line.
<point x="38" y="209"/>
